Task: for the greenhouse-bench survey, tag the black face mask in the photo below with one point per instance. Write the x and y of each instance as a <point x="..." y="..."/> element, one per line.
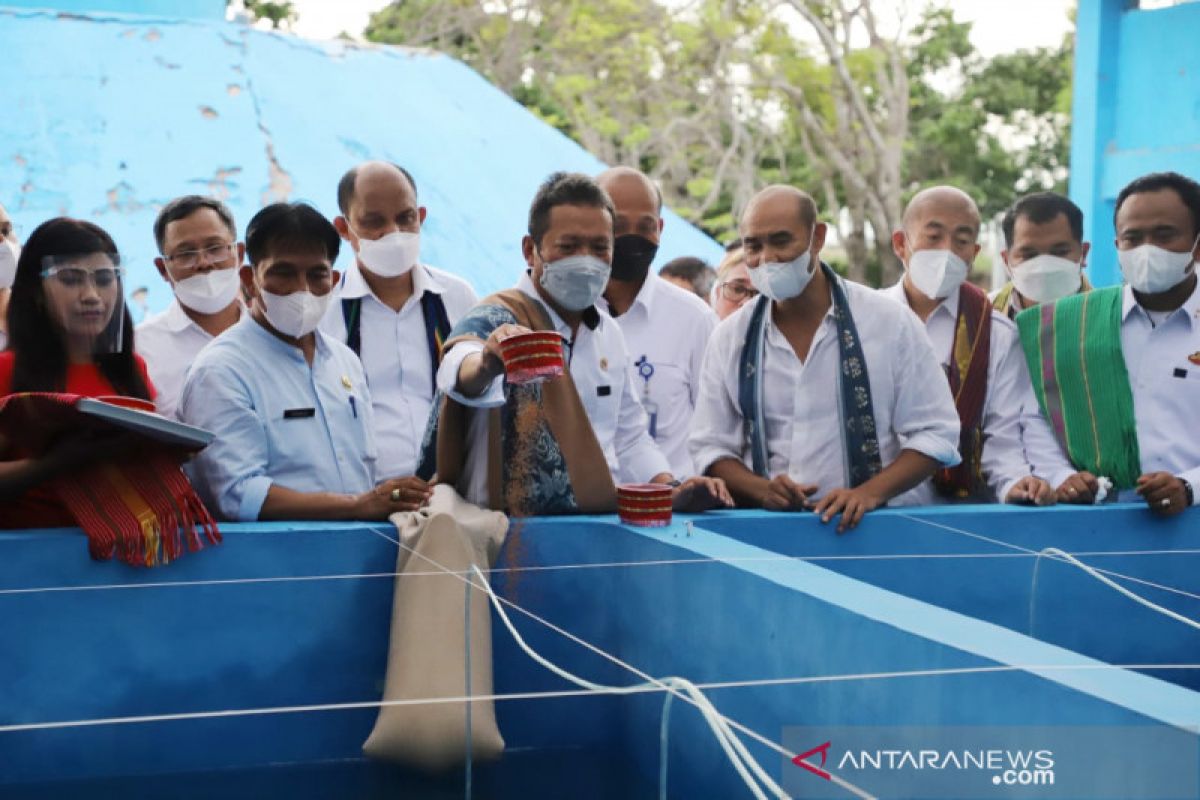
<point x="632" y="255"/>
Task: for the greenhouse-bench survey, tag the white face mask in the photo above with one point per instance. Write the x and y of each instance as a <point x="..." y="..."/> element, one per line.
<point x="937" y="273"/>
<point x="575" y="282"/>
<point x="209" y="292"/>
<point x="1150" y="269"/>
<point x="783" y="280"/>
<point x="392" y="255"/>
<point x="9" y="253"/>
<point x="1046" y="278"/>
<point x="296" y="314"/>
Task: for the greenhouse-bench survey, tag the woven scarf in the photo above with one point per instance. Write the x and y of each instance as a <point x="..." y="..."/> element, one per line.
<point x="859" y="440"/>
<point x="140" y="507"/>
<point x="968" y="376"/>
<point x="437" y="326"/>
<point x="1073" y="348"/>
<point x="1003" y="301"/>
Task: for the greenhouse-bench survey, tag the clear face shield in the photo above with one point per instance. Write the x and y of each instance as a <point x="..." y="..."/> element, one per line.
<point x="85" y="298"/>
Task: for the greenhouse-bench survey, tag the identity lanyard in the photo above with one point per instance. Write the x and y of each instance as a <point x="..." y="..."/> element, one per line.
<point x="646" y="370"/>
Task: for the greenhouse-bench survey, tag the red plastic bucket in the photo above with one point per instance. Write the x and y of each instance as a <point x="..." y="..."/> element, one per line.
<point x="532" y="357"/>
<point x="644" y="504"/>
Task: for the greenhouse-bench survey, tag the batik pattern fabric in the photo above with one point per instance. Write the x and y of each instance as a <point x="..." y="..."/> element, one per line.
<point x="534" y="476"/>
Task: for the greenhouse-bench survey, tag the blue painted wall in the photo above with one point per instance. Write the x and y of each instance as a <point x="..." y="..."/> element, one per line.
<point x="191" y="9"/>
<point x="161" y="106"/>
<point x="1136" y="109"/>
<point x="746" y="603"/>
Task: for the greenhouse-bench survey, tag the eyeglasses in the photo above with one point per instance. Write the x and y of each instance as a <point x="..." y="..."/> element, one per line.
<point x="215" y="255"/>
<point x="737" y="292"/>
<point x="75" y="277"/>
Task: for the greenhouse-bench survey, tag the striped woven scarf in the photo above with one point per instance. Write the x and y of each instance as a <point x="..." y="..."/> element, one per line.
<point x="139" y="507"/>
<point x="859" y="439"/>
<point x="1073" y="348"/>
<point x="968" y="375"/>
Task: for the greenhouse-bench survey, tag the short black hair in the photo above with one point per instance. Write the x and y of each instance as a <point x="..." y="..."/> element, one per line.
<point x="1040" y="208"/>
<point x="695" y="271"/>
<point x="1187" y="189"/>
<point x="565" y="189"/>
<point x="184" y="207"/>
<point x="292" y="224"/>
<point x="346" y="186"/>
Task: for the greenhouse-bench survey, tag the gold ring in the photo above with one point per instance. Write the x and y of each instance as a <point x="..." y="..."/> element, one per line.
<point x="395" y="495"/>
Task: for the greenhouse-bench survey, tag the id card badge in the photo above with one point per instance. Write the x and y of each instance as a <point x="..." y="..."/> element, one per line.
<point x="652" y="412"/>
<point x="646" y="371"/>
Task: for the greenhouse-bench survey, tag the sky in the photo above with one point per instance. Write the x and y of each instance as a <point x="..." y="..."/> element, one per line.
<point x="999" y="27"/>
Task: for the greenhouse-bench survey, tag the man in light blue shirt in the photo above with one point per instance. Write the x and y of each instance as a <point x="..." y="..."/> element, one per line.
<point x="289" y="405"/>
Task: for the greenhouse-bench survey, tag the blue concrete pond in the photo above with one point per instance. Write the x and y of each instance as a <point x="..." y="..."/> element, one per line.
<point x="822" y="635"/>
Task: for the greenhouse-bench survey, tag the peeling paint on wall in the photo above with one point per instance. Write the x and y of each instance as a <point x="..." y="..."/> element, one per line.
<point x="165" y="107"/>
<point x="219" y="185"/>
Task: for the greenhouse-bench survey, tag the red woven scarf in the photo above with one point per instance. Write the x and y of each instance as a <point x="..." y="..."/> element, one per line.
<point x="138" y="506"/>
<point x="968" y="375"/>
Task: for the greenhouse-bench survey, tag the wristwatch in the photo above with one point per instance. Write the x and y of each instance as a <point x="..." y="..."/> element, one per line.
<point x="1188" y="493"/>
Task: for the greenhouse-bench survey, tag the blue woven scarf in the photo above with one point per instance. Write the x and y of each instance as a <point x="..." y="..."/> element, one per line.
<point x="859" y="440"/>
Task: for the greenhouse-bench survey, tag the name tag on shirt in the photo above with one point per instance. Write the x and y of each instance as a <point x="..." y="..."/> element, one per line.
<point x="603" y="391"/>
<point x="1180" y="372"/>
<point x="299" y="413"/>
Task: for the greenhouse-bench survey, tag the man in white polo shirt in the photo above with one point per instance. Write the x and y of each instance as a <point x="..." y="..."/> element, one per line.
<point x="200" y="259"/>
<point x="666" y="328"/>
<point x="392" y="310"/>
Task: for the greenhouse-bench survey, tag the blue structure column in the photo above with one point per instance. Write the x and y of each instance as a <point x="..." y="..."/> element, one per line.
<point x="1093" y="112"/>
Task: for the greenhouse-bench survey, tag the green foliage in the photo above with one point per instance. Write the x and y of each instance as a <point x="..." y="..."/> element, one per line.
<point x="280" y="14"/>
<point x="1003" y="130"/>
<point x="707" y="96"/>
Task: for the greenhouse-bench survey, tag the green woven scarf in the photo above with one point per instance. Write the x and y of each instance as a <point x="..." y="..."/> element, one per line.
<point x="1073" y="348"/>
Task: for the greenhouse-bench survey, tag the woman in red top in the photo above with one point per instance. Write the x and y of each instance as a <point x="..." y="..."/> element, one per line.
<point x="69" y="332"/>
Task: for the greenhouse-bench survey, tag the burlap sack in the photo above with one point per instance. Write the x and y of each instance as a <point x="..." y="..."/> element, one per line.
<point x="427" y="651"/>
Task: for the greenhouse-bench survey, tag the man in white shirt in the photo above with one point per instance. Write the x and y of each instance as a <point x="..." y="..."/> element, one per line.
<point x="666" y="328"/>
<point x="289" y="405"/>
<point x="560" y="446"/>
<point x="1045" y="256"/>
<point x="821" y="394"/>
<point x="1117" y="370"/>
<point x="977" y="347"/>
<point x="392" y="310"/>
<point x="200" y="257"/>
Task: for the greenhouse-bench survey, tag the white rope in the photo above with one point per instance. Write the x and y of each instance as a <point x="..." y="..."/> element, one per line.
<point x="1019" y="552"/>
<point x="1137" y="598"/>
<point x="563" y="693"/>
<point x="1027" y="551"/>
<point x="725" y="721"/>
<point x="735" y="751"/>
